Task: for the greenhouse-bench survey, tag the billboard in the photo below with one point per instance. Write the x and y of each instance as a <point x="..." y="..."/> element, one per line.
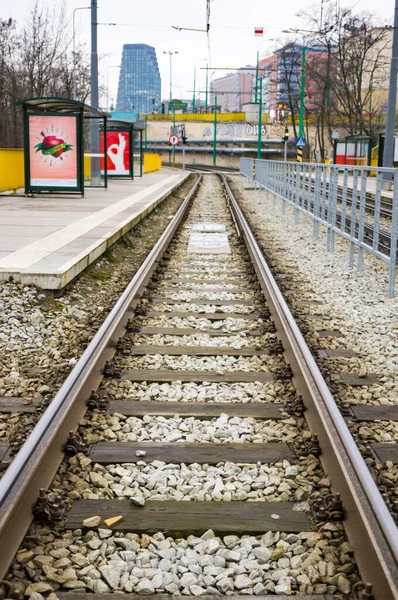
<point x="118" y="153"/>
<point x="53" y="153"/>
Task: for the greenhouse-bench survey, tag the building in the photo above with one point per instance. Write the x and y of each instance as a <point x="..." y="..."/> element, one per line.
<point x="233" y="90"/>
<point x="139" y="79"/>
<point x="281" y="80"/>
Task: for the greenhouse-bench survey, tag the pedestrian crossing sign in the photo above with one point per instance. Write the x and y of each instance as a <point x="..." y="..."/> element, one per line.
<point x="300" y="142"/>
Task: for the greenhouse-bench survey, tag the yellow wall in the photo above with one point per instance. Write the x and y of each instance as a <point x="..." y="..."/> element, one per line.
<point x="152" y="162"/>
<point x="221" y="117"/>
<point x="11" y="169"/>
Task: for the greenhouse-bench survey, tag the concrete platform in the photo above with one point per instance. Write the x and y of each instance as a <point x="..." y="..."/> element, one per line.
<point x="47" y="240"/>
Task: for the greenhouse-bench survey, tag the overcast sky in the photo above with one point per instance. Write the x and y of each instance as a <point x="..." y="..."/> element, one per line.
<point x="232" y="25"/>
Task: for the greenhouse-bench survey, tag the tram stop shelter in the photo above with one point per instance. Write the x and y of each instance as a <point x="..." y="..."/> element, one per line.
<point x="62" y="145"/>
<point x="124" y="148"/>
<point x="353" y="150"/>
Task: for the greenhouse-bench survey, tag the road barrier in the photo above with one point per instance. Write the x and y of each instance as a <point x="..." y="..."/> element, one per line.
<point x="344" y="199"/>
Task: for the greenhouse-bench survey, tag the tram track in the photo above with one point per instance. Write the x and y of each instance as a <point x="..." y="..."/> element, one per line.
<point x="231" y="377"/>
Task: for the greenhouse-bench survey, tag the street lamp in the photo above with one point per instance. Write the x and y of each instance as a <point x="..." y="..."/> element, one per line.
<point x="170" y="53"/>
<point x="74" y="48"/>
<point x="260" y="119"/>
<point x="194" y="83"/>
<point x="107" y="82"/>
<point x="257" y="67"/>
<point x="302" y="82"/>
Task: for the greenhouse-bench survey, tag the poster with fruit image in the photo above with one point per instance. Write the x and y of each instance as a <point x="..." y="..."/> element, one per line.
<point x="118" y="153"/>
<point x="53" y="154"/>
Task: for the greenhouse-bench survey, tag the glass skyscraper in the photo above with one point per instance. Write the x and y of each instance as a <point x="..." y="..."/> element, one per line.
<point x="139" y="79"/>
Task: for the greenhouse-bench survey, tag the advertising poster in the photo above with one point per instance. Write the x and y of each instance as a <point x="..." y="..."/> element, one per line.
<point x="118" y="153"/>
<point x="53" y="153"/>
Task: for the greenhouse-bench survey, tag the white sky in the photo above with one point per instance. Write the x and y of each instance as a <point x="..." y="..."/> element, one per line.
<point x="232" y="25"/>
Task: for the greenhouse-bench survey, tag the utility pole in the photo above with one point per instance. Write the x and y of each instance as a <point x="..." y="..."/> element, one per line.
<point x="215" y="132"/>
<point x="388" y="153"/>
<point x="260" y="119"/>
<point x="302" y="104"/>
<point x="207" y="87"/>
<point x="95" y="143"/>
<point x="302" y="93"/>
<point x="256" y="88"/>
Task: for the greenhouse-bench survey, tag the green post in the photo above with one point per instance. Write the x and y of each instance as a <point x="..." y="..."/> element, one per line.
<point x="302" y="94"/>
<point x="207" y="84"/>
<point x="146" y="135"/>
<point x="194" y="90"/>
<point x="215" y="132"/>
<point x="260" y="119"/>
<point x="171" y="88"/>
<point x="174" y="124"/>
<point x="256" y="88"/>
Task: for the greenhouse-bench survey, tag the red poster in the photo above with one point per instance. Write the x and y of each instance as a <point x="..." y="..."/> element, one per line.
<point x="118" y="159"/>
<point x="52" y="151"/>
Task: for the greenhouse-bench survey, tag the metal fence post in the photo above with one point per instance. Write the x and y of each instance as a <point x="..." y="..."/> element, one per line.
<point x="376" y="216"/>
<point x="335" y="175"/>
<point x="315" y="223"/>
<point x="353" y="217"/>
<point x="344" y="201"/>
<point x="297" y="195"/>
<point x="324" y="187"/>
<point x="361" y="225"/>
<point x="394" y="232"/>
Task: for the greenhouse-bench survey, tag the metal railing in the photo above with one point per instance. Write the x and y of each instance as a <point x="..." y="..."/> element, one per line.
<point x="247" y="167"/>
<point x="345" y="199"/>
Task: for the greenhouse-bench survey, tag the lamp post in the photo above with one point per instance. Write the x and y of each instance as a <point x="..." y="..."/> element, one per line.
<point x="215" y="132"/>
<point x="257" y="68"/>
<point x="170" y="53"/>
<point x="107" y="83"/>
<point x="388" y="152"/>
<point x="74" y="48"/>
<point x="302" y="87"/>
<point x="194" y="85"/>
<point x="207" y="87"/>
<point x="260" y="119"/>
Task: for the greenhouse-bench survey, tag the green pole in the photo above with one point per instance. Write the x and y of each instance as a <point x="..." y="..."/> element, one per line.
<point x="171" y="89"/>
<point x="174" y="124"/>
<point x="207" y="83"/>
<point x="302" y="93"/>
<point x="260" y="119"/>
<point x="215" y="133"/>
<point x="194" y="90"/>
<point x="256" y="88"/>
<point x="146" y="135"/>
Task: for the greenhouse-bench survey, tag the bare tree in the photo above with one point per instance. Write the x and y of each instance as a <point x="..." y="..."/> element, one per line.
<point x="36" y="61"/>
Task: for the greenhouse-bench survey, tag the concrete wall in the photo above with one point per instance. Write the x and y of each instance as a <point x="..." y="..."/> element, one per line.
<point x="11" y="169"/>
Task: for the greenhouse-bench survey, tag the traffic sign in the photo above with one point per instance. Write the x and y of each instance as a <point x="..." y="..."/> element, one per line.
<point x="300" y="142"/>
<point x="259" y="31"/>
<point x="174" y="140"/>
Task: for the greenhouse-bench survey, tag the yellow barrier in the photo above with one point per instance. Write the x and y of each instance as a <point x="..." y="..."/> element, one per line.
<point x="221" y="117"/>
<point x="152" y="162"/>
<point x="11" y="169"/>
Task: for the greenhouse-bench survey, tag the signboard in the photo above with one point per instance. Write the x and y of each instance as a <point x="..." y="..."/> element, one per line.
<point x="174" y="140"/>
<point x="178" y="104"/>
<point x="301" y="142"/>
<point x="52" y="152"/>
<point x="258" y="31"/>
<point x="118" y="153"/>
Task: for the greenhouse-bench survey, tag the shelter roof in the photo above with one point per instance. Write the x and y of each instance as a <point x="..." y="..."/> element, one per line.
<point x="60" y="105"/>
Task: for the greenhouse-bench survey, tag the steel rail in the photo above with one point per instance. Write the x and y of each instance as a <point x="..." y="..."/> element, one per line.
<point x="38" y="460"/>
<point x="369" y="525"/>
